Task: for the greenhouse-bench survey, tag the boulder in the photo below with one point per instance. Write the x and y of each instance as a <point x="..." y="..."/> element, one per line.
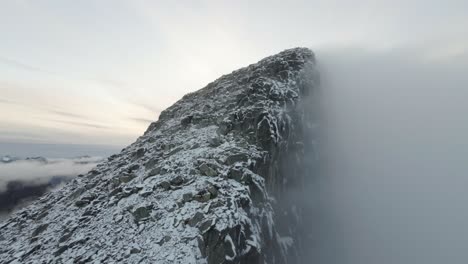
<point x="141" y="213"/>
<point x="197" y="218"/>
<point x="202" y="197"/>
<point x="239" y="157"/>
<point x="207" y="170"/>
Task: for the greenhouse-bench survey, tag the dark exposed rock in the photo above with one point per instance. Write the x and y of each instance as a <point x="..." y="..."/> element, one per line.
<point x="151" y="163"/>
<point x="140" y="153"/>
<point x="115" y="191"/>
<point x="127" y="177"/>
<point x="186" y="120"/>
<point x="85" y="200"/>
<point x="65" y="237"/>
<point x="196" y="219"/>
<point x="236" y="173"/>
<point x="202" y="197"/>
<point x="177" y="181"/>
<point x="215" y="141"/>
<point x="212" y="190"/>
<point x="141" y="213"/>
<point x="206" y="225"/>
<point x="165" y="185"/>
<point x="133" y="167"/>
<point x="64" y="248"/>
<point x="93" y="172"/>
<point x="76" y="193"/>
<point x="41" y="215"/>
<point x="135" y="250"/>
<point x="164" y="240"/>
<point x="187" y="197"/>
<point x="61" y="250"/>
<point x="224" y="128"/>
<point x="240" y="157"/>
<point x="39" y="230"/>
<point x="32" y="250"/>
<point x="91" y="212"/>
<point x="81" y="203"/>
<point x="207" y="170"/>
<point x="90" y="197"/>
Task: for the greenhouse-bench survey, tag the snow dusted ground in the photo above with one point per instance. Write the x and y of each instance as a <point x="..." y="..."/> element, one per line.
<point x="198" y="187"/>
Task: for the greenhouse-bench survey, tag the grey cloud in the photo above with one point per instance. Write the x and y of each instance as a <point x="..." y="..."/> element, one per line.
<point x="141" y="120"/>
<point x="28" y="67"/>
<point x="35" y="172"/>
<point x="67" y="114"/>
<point x="115" y="83"/>
<point x="82" y="124"/>
<point x="48" y="109"/>
<point x="3" y="101"/>
<point x="21" y="65"/>
<point x="147" y="107"/>
<point x="19" y="135"/>
<point x="11" y="102"/>
<point x="59" y="113"/>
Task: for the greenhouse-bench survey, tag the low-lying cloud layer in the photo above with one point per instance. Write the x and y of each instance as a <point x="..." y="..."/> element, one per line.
<point x="33" y="171"/>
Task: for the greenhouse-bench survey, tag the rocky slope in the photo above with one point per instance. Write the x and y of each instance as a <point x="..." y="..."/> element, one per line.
<point x="204" y="184"/>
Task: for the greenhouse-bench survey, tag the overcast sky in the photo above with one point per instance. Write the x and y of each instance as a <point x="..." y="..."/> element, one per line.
<point x="98" y="72"/>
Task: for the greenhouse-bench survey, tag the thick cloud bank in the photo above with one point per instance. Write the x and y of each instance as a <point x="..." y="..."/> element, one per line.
<point x="395" y="158"/>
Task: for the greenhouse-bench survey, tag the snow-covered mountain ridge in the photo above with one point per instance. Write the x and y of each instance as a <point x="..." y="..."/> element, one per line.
<point x="200" y="186"/>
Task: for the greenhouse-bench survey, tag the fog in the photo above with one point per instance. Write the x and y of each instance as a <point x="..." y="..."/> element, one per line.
<point x="394" y="157"/>
<point x="34" y="172"/>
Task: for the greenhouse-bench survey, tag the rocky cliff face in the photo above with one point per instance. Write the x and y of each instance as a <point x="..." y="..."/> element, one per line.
<point x="206" y="183"/>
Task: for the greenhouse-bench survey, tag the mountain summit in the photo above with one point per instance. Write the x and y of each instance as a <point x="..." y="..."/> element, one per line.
<point x="207" y="183"/>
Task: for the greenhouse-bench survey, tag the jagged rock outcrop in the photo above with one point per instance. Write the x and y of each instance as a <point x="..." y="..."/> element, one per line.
<point x="200" y="186"/>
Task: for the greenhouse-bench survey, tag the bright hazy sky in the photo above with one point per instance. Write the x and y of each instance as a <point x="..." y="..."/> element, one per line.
<point x="97" y="72"/>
